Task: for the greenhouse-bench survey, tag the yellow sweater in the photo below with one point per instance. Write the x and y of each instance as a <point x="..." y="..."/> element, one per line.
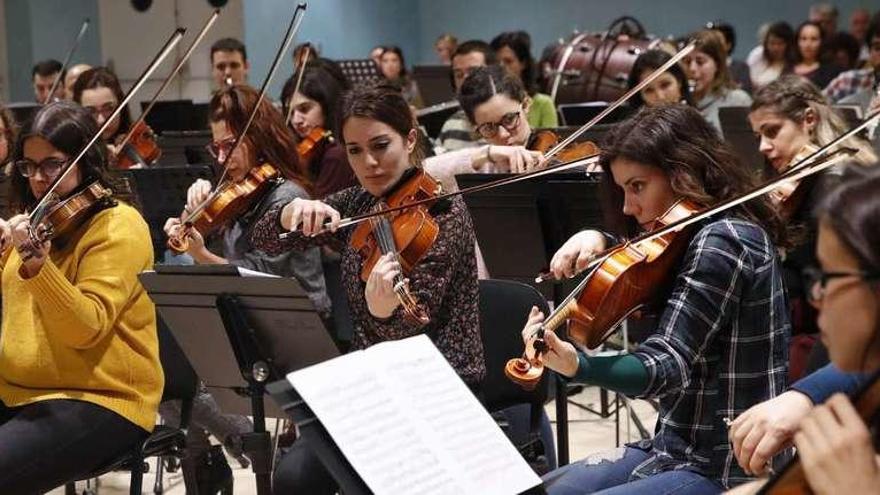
<point x="84" y="328"/>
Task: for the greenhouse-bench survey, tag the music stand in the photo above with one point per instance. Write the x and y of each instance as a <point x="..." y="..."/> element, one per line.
<point x="434" y="82"/>
<point x="577" y="114"/>
<point x="24" y="111"/>
<point x="175" y="115"/>
<point x="359" y="70"/>
<point x="184" y="148"/>
<point x="161" y="192"/>
<point x="739" y="135"/>
<point x="319" y="440"/>
<point x="240" y="333"/>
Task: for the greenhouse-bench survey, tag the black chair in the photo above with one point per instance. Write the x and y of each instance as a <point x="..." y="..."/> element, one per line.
<point x="181" y="383"/>
<point x="504" y="308"/>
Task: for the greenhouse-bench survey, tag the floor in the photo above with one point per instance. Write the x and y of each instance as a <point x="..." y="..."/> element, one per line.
<point x="588" y="432"/>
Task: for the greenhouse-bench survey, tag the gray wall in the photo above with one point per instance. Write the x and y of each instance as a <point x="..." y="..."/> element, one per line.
<point x="41" y="29"/>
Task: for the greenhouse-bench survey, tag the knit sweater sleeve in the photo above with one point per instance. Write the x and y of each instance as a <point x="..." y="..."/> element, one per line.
<point x="112" y="252"/>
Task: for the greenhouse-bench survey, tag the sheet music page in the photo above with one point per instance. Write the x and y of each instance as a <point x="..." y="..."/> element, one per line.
<point x="246" y="272"/>
<point x="408" y="424"/>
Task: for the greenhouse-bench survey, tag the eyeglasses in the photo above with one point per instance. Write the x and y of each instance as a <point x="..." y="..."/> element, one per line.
<point x="509" y="121"/>
<point x="105" y="110"/>
<point x="50" y="167"/>
<point x="824" y="277"/>
<point x="219" y="149"/>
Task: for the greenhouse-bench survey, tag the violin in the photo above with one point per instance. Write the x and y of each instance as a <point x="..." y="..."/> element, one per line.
<point x="546" y="140"/>
<point x="309" y="143"/>
<point x="225" y="203"/>
<point x="790" y="194"/>
<point x="138" y="148"/>
<point x="627" y="278"/>
<point x="791" y="480"/>
<point x="407" y="233"/>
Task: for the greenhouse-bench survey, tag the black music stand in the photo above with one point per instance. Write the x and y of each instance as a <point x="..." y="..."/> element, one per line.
<point x="240" y="333"/>
<point x="519" y="227"/>
<point x="161" y="192"/>
<point x="434" y="82"/>
<point x="359" y="70"/>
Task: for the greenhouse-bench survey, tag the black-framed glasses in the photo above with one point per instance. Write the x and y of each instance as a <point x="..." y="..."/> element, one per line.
<point x="219" y="149"/>
<point x="824" y="277"/>
<point x="509" y="121"/>
<point x="50" y="167"/>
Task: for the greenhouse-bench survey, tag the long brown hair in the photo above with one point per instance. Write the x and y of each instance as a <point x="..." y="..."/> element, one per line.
<point x="268" y="136"/>
<point x="791" y="96"/>
<point x="700" y="166"/>
<point x="711" y="42"/>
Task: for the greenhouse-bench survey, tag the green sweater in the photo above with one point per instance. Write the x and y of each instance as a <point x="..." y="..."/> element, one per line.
<point x="542" y="112"/>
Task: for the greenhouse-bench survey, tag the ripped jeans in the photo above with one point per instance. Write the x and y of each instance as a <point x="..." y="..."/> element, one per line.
<point x="609" y="473"/>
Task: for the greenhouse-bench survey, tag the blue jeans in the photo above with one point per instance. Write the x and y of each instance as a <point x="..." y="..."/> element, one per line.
<point x="610" y="475"/>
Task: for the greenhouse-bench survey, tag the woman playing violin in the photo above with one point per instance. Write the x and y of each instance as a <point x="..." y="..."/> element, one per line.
<point x="98" y="91"/>
<point x="80" y="378"/>
<point x="380" y="136"/>
<point x="790" y="116"/>
<point x="720" y="343"/>
<point x="315" y="110"/>
<point x="836" y="449"/>
<point x="267" y="141"/>
<point x="670" y="87"/>
<point x="497" y="105"/>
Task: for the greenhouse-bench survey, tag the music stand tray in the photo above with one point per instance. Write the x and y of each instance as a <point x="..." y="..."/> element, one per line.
<point x="240" y="333"/>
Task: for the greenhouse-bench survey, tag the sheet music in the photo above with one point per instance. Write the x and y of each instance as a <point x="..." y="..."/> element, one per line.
<point x="246" y="272"/>
<point x="408" y="424"/>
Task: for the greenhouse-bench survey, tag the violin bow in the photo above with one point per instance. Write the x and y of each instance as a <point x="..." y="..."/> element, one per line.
<point x="292" y="29"/>
<point x="208" y="24"/>
<point x="623" y="99"/>
<point x="173" y="40"/>
<point x="76" y="41"/>
<point x="299" y="80"/>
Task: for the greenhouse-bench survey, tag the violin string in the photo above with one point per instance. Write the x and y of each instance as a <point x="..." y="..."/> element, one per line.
<point x="208" y="24"/>
<point x="173" y="40"/>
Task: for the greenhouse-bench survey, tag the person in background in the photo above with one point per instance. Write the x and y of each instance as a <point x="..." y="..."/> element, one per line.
<point x="808" y="59"/>
<point x="514" y="51"/>
<point x="669" y="87"/>
<point x="776" y="54"/>
<point x="859" y="20"/>
<point x="229" y="63"/>
<point x="43" y="76"/>
<point x="444" y="47"/>
<point x="70" y="79"/>
<point x="860" y="85"/>
<point x="457" y="132"/>
<point x="739" y="70"/>
<point x="299" y="54"/>
<point x="844" y="50"/>
<point x="707" y="68"/>
<point x="98" y="91"/>
<point x="393" y="67"/>
<point x="8" y="135"/>
<point x="825" y="15"/>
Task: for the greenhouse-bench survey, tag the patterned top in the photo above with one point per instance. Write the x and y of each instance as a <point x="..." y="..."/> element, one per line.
<point x="444" y="281"/>
<point x="720" y="347"/>
<point x="849" y="83"/>
<point x="458" y="133"/>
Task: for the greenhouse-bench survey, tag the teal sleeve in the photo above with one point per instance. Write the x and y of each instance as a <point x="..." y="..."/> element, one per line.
<point x="622" y="373"/>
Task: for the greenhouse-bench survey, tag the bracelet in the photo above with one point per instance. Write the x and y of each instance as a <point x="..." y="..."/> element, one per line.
<point x="489" y="154"/>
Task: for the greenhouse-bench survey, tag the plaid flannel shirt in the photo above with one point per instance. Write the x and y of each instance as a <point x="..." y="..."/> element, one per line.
<point x="721" y="346"/>
<point x="849" y="83"/>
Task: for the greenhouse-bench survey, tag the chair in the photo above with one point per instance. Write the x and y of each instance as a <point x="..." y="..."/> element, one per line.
<point x="181" y="383"/>
<point x="504" y="308"/>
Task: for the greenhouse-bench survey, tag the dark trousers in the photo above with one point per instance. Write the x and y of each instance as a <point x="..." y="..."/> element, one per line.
<point x="46" y="444"/>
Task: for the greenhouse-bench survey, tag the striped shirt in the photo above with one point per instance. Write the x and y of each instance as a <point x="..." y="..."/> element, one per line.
<point x="721" y="346"/>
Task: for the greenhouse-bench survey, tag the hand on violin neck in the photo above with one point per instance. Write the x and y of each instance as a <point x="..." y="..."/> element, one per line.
<point x="558" y="355"/>
<point x="379" y="292"/>
<point x="309" y="216"/>
<point x="577" y="252"/>
<point x="513" y="159"/>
